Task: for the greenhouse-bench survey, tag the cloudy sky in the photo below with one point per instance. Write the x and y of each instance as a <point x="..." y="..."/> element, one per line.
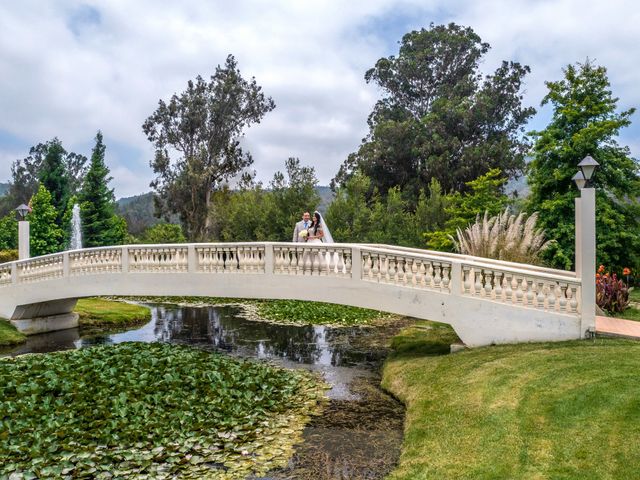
<point x="70" y="68"/>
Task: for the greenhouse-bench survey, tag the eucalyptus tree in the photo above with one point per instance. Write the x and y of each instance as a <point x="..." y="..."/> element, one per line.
<point x="438" y="117"/>
<point x="196" y="136"/>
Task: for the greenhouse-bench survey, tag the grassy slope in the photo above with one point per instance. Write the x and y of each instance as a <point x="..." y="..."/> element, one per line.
<point x="98" y="312"/>
<point x="9" y="335"/>
<point x="566" y="410"/>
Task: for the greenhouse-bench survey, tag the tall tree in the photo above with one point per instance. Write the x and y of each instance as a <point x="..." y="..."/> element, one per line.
<point x="439" y="118"/>
<point x="203" y="125"/>
<point x="53" y="176"/>
<point x="45" y="234"/>
<point x="26" y="172"/>
<point x="586" y="122"/>
<point x="100" y="225"/>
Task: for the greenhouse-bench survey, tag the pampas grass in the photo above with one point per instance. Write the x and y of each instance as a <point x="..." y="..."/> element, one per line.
<point x="509" y="237"/>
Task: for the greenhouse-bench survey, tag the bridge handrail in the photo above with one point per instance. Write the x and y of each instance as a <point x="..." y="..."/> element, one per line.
<point x="469" y="258"/>
<point x="547" y="273"/>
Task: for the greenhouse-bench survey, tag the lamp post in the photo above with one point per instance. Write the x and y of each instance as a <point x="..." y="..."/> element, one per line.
<point x="585" y="260"/>
<point x="23" y="232"/>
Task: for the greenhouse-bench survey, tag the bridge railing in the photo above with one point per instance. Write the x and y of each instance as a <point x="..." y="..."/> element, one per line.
<point x="459" y="275"/>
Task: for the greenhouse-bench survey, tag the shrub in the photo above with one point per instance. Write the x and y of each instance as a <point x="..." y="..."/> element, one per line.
<point x="163" y="233"/>
<point x="8" y="255"/>
<point x="513" y="238"/>
<point x="612" y="294"/>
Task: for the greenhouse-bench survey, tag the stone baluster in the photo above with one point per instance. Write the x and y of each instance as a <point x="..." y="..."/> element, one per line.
<point x="420" y="274"/>
<point x="530" y="295"/>
<point x="498" y="286"/>
<point x="375" y="267"/>
<point x="391" y="272"/>
<point x="477" y="284"/>
<point x="551" y="296"/>
<point x="437" y="275"/>
<point x="409" y="271"/>
<point x="540" y="297"/>
<point x="446" y="277"/>
<point x="315" y="263"/>
<point x="487" y="276"/>
<point x="366" y="265"/>
<point x="519" y="294"/>
<point x="508" y="288"/>
<point x="466" y="279"/>
<point x="573" y="298"/>
<point x="562" y="301"/>
<point x="347" y="263"/>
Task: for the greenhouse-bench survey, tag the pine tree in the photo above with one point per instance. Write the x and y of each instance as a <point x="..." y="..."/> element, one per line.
<point x="54" y="177"/>
<point x="45" y="234"/>
<point x="100" y="226"/>
<point x="585" y="122"/>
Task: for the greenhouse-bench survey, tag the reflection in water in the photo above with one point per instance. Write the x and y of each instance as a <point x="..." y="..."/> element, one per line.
<point x="221" y="328"/>
<point x="360" y="434"/>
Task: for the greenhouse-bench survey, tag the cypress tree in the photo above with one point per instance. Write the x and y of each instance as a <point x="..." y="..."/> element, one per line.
<point x="586" y="122"/>
<point x="97" y="202"/>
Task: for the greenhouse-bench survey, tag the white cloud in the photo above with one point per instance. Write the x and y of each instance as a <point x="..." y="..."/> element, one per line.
<point x="70" y="68"/>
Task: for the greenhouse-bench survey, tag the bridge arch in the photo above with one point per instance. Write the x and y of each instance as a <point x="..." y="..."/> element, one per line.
<point x="485" y="301"/>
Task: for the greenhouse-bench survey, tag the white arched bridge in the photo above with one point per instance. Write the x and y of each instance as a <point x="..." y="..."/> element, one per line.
<point x="485" y="301"/>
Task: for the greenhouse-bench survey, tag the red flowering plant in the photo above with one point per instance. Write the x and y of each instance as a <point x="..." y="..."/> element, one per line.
<point x="612" y="294"/>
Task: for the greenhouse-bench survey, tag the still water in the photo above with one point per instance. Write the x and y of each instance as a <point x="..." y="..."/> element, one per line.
<point x="360" y="432"/>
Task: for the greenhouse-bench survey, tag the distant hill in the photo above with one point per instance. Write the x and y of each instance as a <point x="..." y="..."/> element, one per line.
<point x="4" y="188"/>
<point x="326" y="197"/>
<point x="138" y="210"/>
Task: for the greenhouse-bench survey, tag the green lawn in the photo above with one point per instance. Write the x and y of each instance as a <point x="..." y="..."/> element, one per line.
<point x="630" y="313"/>
<point x="634" y="295"/>
<point x="98" y="312"/>
<point x="567" y="410"/>
<point x="9" y="335"/>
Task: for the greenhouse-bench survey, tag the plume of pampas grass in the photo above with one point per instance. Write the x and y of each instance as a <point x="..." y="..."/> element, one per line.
<point x="509" y="237"/>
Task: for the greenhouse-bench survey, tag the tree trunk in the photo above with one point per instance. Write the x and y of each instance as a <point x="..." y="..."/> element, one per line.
<point x="207" y="221"/>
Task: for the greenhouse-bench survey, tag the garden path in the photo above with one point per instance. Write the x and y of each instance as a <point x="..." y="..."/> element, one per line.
<point x="617" y="327"/>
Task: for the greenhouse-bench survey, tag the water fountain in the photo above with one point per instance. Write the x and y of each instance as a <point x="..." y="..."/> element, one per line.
<point x="76" y="231"/>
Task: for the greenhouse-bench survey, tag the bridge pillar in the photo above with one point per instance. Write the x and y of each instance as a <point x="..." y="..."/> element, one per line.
<point x="586" y="257"/>
<point x="23" y="240"/>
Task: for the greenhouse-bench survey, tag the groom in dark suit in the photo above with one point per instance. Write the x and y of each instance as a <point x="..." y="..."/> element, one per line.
<point x="304" y="224"/>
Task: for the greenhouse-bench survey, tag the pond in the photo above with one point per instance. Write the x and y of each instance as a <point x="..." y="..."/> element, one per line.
<point x="360" y="433"/>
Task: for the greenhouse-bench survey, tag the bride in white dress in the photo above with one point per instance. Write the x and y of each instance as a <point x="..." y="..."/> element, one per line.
<point x="318" y="231"/>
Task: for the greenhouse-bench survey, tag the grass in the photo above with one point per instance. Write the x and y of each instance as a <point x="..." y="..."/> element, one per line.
<point x="9" y="335"/>
<point x="101" y="313"/>
<point x="634" y="295"/>
<point x="630" y="313"/>
<point x="566" y="410"/>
